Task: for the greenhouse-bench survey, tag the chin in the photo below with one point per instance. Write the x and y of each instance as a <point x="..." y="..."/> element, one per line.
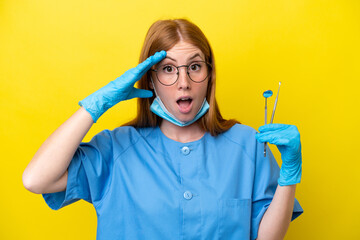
<point x="186" y="118"/>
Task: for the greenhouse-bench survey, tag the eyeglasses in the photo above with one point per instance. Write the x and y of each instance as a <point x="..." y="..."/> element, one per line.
<point x="168" y="74"/>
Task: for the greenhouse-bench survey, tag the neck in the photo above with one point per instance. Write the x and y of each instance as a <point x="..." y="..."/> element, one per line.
<point x="185" y="134"/>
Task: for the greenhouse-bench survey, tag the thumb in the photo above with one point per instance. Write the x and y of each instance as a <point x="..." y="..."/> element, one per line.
<point x="141" y="93"/>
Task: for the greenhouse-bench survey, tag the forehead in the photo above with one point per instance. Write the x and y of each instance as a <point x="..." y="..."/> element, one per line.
<point x="183" y="51"/>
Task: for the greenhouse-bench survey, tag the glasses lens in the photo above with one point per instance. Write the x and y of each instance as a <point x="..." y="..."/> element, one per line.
<point x="198" y="71"/>
<point x="167" y="74"/>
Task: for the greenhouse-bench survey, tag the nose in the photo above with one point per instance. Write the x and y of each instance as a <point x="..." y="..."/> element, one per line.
<point x="183" y="81"/>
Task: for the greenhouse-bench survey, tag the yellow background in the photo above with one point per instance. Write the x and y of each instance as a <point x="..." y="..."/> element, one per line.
<point x="55" y="53"/>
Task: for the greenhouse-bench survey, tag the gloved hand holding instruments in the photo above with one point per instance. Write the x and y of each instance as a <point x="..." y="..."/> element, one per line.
<point x="287" y="139"/>
<point x="122" y="88"/>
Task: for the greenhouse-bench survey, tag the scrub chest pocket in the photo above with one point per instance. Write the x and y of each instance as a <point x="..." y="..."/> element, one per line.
<point x="234" y="218"/>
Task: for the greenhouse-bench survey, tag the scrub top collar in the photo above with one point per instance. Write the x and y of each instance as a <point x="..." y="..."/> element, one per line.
<point x="172" y="144"/>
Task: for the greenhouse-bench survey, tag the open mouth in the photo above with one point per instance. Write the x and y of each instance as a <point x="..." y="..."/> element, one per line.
<point x="184" y="104"/>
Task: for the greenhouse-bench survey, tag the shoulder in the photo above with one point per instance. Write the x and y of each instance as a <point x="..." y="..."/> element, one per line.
<point x="127" y="136"/>
<point x="121" y="136"/>
<point x="119" y="139"/>
<point x="130" y="134"/>
<point x="240" y="134"/>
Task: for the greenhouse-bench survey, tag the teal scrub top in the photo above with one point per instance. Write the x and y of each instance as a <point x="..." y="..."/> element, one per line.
<point x="144" y="185"/>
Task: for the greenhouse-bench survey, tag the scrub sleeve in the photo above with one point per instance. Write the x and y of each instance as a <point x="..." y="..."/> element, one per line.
<point x="88" y="173"/>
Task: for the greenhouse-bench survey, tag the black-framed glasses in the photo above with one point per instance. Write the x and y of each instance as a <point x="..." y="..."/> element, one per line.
<point x="168" y="74"/>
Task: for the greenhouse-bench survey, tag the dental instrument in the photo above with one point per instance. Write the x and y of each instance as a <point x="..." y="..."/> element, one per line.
<point x="276" y="100"/>
<point x="266" y="95"/>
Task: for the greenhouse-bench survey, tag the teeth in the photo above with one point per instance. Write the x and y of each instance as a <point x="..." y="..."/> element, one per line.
<point x="185" y="99"/>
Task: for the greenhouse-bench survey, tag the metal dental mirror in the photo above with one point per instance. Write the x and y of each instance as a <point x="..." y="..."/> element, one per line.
<point x="266" y="95"/>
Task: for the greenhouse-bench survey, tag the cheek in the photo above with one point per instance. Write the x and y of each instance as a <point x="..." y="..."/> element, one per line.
<point x="203" y="89"/>
<point x="164" y="93"/>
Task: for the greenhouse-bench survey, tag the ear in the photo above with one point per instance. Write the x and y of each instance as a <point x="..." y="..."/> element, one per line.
<point x="151" y="85"/>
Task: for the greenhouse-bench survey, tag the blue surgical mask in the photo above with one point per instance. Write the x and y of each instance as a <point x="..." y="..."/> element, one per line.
<point x="159" y="109"/>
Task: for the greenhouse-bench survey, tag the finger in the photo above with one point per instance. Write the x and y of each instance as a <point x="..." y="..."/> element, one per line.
<point x="272" y="127"/>
<point x="272" y="138"/>
<point x="143" y="67"/>
<point x="279" y="141"/>
<point x="141" y="93"/>
<point x="137" y="72"/>
<point x="266" y="136"/>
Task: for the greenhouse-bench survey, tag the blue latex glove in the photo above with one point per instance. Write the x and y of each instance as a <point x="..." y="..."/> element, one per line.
<point x="287" y="139"/>
<point x="122" y="88"/>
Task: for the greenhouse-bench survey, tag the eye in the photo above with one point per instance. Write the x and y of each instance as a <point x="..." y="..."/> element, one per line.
<point x="195" y="67"/>
<point x="167" y="69"/>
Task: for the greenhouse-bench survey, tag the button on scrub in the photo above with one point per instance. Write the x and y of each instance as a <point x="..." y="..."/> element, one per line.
<point x="188" y="195"/>
<point x="185" y="150"/>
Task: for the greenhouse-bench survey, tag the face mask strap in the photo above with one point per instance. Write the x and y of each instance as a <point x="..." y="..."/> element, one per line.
<point x="154" y="87"/>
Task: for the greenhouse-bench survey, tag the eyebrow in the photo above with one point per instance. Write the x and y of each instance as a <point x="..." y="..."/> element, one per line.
<point x="196" y="55"/>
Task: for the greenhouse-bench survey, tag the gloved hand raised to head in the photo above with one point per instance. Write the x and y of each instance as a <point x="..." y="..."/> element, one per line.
<point x="120" y="89"/>
<point x="287" y="139"/>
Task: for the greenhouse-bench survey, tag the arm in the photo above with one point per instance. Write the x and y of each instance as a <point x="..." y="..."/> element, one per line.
<point x="277" y="217"/>
<point x="47" y="171"/>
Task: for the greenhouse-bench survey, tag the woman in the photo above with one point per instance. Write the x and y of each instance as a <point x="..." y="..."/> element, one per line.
<point x="179" y="170"/>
